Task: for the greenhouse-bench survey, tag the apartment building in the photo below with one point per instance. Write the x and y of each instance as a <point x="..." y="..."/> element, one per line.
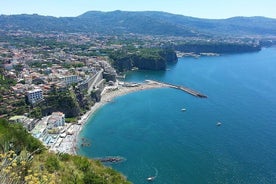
<point x="35" y="95"/>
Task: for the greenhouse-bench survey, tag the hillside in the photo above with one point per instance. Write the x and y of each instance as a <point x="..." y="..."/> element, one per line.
<point x="24" y="159"/>
<point x="147" y="22"/>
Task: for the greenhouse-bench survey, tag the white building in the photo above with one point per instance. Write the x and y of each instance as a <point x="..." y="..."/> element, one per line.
<point x="35" y="95"/>
<point x="56" y="119"/>
<point x="70" y="79"/>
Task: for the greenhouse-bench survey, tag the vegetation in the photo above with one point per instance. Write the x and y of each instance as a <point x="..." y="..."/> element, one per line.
<point x="5" y="82"/>
<point x="217" y="47"/>
<point x="35" y="113"/>
<point x="145" y="59"/>
<point x="40" y="64"/>
<point x="71" y="120"/>
<point x="48" y="43"/>
<point x="10" y="104"/>
<point x="147" y="23"/>
<point x="15" y="169"/>
<point x="64" y="101"/>
<point x="23" y="159"/>
<point x="70" y="65"/>
<point x="16" y="137"/>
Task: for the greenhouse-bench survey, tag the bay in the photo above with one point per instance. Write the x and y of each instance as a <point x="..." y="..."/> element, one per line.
<point x="149" y="129"/>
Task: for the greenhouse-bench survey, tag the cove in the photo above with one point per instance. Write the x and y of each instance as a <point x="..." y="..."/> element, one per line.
<point x="151" y="132"/>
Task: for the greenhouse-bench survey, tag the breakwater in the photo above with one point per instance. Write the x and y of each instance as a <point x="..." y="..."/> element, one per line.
<point x="182" y="88"/>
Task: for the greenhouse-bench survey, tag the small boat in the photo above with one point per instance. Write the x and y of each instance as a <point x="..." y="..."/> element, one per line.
<point x="219" y="123"/>
<point x="183" y="109"/>
<point x="151" y="178"/>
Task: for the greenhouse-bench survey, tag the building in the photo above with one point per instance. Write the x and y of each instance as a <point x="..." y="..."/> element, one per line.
<point x="56" y="119"/>
<point x="31" y="124"/>
<point x="71" y="79"/>
<point x="28" y="123"/>
<point x="34" y="96"/>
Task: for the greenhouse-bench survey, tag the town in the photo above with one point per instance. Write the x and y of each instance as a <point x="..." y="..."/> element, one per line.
<point x="49" y="80"/>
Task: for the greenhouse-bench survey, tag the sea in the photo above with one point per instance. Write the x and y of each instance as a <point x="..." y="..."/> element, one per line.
<point x="157" y="138"/>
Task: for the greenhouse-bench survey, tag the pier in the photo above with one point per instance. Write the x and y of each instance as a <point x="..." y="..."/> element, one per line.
<point x="182" y="88"/>
<point x="111" y="159"/>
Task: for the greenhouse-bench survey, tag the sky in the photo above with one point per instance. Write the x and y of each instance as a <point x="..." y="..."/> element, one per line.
<point x="214" y="9"/>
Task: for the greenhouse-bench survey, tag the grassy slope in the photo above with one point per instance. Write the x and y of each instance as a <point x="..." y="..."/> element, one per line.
<point x="58" y="168"/>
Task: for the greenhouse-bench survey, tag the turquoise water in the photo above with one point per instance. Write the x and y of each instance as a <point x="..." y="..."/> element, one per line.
<point x="149" y="129"/>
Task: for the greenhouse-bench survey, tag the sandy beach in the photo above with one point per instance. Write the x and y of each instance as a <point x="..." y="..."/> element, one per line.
<point x="69" y="143"/>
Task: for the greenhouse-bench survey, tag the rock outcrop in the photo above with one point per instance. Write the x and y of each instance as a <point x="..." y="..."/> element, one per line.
<point x="144" y="59"/>
<point x="220" y="48"/>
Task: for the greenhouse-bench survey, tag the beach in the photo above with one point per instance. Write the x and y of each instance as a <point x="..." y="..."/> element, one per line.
<point x="68" y="144"/>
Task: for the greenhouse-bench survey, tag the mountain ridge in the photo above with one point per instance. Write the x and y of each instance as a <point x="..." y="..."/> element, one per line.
<point x="142" y="22"/>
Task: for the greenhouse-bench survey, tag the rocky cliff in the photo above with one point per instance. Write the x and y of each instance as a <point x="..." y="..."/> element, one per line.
<point x="143" y="59"/>
<point x="217" y="47"/>
<point x="63" y="101"/>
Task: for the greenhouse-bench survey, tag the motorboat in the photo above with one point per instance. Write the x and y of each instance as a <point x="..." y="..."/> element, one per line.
<point x="219" y="123"/>
<point x="151" y="178"/>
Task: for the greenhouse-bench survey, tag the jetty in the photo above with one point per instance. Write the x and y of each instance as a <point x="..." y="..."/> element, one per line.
<point x="111" y="159"/>
<point x="182" y="88"/>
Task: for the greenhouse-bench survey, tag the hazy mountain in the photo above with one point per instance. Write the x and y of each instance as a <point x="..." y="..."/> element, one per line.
<point x="147" y="22"/>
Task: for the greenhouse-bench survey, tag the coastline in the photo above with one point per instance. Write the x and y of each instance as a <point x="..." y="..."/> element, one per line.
<point x="69" y="143"/>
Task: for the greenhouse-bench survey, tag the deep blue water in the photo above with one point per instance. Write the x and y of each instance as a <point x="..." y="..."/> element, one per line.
<point x="149" y="129"/>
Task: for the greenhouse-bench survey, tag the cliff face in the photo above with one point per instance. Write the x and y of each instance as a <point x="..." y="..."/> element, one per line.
<point x="122" y="64"/>
<point x="146" y="59"/>
<point x="63" y="102"/>
<point x="149" y="63"/>
<point x="169" y="55"/>
<point x="96" y="95"/>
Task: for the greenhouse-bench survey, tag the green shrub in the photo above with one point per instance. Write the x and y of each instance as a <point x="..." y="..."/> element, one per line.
<point x="52" y="163"/>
